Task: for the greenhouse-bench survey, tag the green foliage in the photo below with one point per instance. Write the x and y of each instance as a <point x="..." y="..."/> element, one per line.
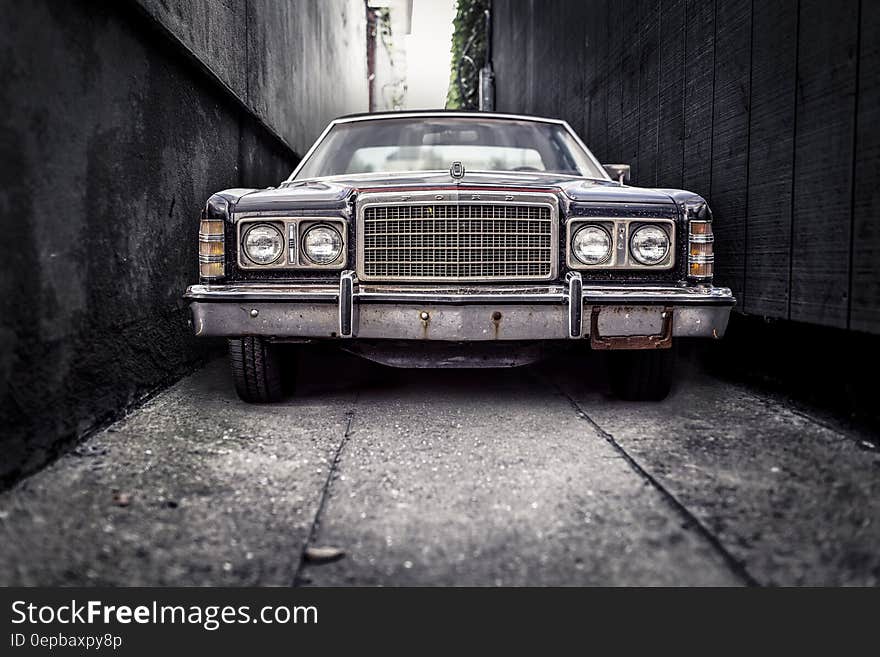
<point x="469" y="28"/>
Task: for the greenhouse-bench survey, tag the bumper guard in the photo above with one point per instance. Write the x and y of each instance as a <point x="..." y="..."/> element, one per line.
<point x="620" y="317"/>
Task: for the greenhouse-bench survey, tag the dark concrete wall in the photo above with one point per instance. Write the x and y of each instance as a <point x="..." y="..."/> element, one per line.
<point x="115" y="129"/>
<point x="295" y="64"/>
<point x="768" y="109"/>
<point x="310" y="72"/>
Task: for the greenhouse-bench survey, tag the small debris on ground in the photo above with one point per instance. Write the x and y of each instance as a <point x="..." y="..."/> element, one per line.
<point x="323" y="554"/>
<point x="121" y="499"/>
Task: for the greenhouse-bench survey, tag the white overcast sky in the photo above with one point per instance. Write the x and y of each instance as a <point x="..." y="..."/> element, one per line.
<point x="428" y="53"/>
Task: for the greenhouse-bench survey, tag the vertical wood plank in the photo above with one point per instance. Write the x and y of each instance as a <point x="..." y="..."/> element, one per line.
<point x="629" y="76"/>
<point x="509" y="55"/>
<point x="730" y="140"/>
<point x="771" y="153"/>
<point x="531" y="68"/>
<point x="699" y="78"/>
<point x="614" y="84"/>
<point x="572" y="30"/>
<point x="670" y="121"/>
<point x="823" y="163"/>
<point x="649" y="91"/>
<point x="595" y="80"/>
<point x="545" y="90"/>
<point x="502" y="30"/>
<point x="865" y="284"/>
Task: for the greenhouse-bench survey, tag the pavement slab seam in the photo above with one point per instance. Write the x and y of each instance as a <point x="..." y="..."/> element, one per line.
<point x="856" y="434"/>
<point x="325" y="494"/>
<point x="485" y="478"/>
<point x="735" y="565"/>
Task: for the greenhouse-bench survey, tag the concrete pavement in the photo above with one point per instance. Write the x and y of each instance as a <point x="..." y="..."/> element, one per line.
<point x="486" y="477"/>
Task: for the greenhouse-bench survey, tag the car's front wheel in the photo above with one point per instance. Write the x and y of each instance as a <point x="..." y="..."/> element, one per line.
<point x="256" y="369"/>
<point x="641" y="375"/>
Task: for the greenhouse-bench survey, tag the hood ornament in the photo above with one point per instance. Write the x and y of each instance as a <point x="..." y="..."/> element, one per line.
<point x="456" y="171"/>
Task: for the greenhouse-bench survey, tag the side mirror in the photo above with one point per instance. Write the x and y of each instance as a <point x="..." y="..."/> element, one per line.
<point x="619" y="172"/>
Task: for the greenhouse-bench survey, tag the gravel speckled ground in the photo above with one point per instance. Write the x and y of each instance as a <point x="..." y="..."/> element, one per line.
<point x="477" y="477"/>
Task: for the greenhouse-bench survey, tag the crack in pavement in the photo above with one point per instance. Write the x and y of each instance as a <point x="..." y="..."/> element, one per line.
<point x="325" y="494"/>
<point x="735" y="565"/>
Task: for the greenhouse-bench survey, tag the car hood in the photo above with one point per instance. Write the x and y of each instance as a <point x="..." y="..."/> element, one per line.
<point x="334" y="191"/>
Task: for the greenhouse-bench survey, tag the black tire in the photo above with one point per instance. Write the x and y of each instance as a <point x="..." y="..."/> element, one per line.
<point x="641" y="375"/>
<point x="256" y="370"/>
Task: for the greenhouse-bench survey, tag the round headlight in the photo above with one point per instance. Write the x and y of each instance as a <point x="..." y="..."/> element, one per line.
<point x="649" y="245"/>
<point x="322" y="245"/>
<point x="591" y="245"/>
<point x="263" y="244"/>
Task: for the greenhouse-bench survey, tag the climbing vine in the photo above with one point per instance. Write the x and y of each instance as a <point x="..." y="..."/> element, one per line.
<point x="468" y="53"/>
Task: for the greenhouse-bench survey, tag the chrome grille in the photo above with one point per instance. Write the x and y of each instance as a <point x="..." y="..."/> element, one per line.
<point x="457" y="241"/>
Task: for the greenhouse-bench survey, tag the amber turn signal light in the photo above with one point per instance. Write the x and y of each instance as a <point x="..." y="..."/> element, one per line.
<point x="701" y="270"/>
<point x="212" y="249"/>
<point x="211" y="269"/>
<point x="700" y="249"/>
<point x="701" y="252"/>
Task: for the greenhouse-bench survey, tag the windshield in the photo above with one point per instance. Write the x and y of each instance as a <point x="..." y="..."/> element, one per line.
<point x="433" y="143"/>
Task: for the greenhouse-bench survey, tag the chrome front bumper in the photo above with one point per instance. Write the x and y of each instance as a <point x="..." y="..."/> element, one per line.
<point x="459" y="313"/>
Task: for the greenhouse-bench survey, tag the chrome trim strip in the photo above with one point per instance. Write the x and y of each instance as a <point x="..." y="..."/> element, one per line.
<point x="262" y="292"/>
<point x="575" y="304"/>
<point x="420" y="172"/>
<point x="550" y="294"/>
<point x="454" y="299"/>
<point x="347" y="313"/>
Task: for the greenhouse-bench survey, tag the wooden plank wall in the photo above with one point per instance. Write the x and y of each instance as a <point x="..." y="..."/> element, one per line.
<point x="864" y="312"/>
<point x="769" y="109"/>
<point x="771" y="156"/>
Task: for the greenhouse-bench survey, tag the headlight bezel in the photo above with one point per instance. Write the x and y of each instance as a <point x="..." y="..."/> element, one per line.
<point x="621" y="230"/>
<point x="599" y="228"/>
<point x="634" y="233"/>
<point x="292" y="228"/>
<point x="302" y="245"/>
<point x="257" y="226"/>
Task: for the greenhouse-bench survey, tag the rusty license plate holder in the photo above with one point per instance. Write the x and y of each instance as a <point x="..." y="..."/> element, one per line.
<point x="662" y="340"/>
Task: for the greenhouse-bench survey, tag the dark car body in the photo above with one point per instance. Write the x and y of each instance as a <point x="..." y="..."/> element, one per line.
<point x="462" y="260"/>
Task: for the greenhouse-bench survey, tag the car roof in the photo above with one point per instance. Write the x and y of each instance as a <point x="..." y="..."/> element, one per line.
<point x="440" y="113"/>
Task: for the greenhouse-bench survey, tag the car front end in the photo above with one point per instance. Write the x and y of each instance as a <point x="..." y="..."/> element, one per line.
<point x="477" y="268"/>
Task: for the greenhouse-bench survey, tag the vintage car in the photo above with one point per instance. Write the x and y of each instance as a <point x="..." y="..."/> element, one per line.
<point x="456" y="239"/>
